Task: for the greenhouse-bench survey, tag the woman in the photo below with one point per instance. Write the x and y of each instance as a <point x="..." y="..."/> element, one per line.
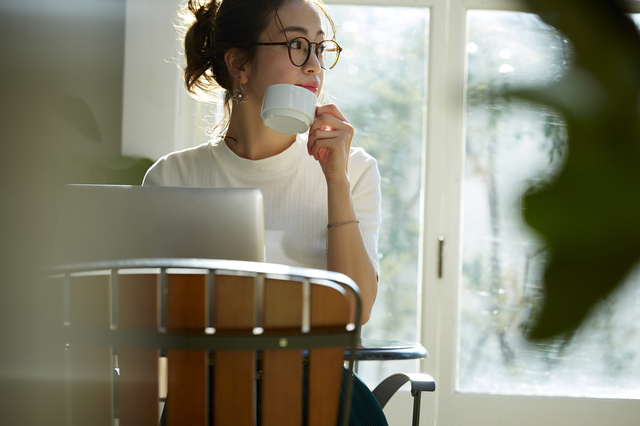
<point x="321" y="196"/>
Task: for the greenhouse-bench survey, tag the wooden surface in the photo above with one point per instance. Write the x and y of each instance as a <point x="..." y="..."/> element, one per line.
<point x="91" y="369"/>
<point x="138" y="380"/>
<point x="234" y="385"/>
<point x="282" y="371"/>
<point x="187" y="389"/>
<point x="329" y="309"/>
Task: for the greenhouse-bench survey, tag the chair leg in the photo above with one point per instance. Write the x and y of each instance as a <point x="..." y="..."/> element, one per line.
<point x="419" y="383"/>
<point x="416" y="407"/>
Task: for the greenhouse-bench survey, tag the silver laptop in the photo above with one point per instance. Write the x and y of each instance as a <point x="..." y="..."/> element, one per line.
<point x="107" y="222"/>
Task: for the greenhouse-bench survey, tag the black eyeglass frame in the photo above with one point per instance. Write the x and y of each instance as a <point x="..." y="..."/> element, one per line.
<point x="311" y="43"/>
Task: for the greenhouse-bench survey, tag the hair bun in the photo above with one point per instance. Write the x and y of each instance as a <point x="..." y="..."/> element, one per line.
<point x="200" y="44"/>
<point x="204" y="13"/>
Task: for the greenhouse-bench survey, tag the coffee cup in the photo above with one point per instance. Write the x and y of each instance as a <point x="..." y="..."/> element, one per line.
<point x="288" y="109"/>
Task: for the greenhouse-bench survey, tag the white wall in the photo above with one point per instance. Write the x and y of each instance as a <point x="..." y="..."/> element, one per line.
<point x="152" y="89"/>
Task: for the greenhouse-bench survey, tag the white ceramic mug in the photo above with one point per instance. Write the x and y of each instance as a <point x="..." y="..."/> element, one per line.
<point x="288" y="109"/>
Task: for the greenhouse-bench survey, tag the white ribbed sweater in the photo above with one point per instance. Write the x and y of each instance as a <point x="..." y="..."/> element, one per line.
<point x="294" y="191"/>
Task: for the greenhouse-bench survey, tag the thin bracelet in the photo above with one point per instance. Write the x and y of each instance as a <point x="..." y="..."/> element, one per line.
<point x="330" y="225"/>
<point x="342" y="223"/>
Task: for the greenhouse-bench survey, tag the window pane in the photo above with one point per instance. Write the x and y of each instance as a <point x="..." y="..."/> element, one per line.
<point x="378" y="83"/>
<point x="510" y="147"/>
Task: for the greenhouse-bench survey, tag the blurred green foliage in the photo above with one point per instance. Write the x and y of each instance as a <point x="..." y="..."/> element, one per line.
<point x="111" y="170"/>
<point x="589" y="216"/>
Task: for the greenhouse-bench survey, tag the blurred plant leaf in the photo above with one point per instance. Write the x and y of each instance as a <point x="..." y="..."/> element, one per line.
<point x="590" y="216"/>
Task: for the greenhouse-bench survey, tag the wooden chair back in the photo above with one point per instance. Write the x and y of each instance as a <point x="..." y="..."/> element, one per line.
<point x="246" y="343"/>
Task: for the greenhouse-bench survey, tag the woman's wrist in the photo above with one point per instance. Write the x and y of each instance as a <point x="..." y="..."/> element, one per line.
<point x="340" y="182"/>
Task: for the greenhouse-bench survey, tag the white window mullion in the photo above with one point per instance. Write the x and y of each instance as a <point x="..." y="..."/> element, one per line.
<point x="445" y="169"/>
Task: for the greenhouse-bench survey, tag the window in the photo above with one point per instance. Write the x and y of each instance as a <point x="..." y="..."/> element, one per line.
<point x="379" y="84"/>
<point x="510" y="147"/>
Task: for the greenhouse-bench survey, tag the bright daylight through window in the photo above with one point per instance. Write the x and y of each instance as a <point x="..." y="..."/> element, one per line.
<point x="379" y="83"/>
<point x="510" y="147"/>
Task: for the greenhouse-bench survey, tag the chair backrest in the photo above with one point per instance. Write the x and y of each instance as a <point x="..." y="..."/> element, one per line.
<point x="275" y="337"/>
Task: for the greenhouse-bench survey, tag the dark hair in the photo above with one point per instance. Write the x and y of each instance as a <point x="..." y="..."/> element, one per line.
<point x="215" y="26"/>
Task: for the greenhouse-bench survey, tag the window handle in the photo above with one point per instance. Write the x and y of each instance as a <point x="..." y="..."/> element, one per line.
<point x="440" y="250"/>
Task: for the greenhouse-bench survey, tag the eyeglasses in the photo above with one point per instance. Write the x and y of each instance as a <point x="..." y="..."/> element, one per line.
<point x="327" y="51"/>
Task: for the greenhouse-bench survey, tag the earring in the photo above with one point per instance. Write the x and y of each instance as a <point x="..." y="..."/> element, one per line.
<point x="238" y="95"/>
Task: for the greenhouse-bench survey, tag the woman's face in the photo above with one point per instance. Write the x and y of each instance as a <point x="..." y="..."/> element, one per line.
<point x="272" y="65"/>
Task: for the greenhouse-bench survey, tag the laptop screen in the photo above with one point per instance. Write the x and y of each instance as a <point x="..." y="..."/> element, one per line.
<point x="110" y="222"/>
